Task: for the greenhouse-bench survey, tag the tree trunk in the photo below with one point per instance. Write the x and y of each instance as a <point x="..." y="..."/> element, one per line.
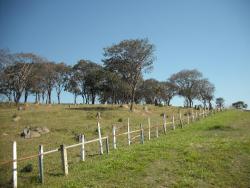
<point x="58" y="97"/>
<point x="190" y="102"/>
<point x="26" y="94"/>
<point x="49" y="96"/>
<point x="75" y="98"/>
<point x="132" y="99"/>
<point x="36" y="99"/>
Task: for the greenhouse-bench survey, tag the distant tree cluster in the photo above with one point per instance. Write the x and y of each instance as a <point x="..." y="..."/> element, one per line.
<point x="118" y="81"/>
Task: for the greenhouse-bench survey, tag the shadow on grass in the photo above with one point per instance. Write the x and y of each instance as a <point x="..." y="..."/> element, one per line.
<point x="96" y="108"/>
<point x="220" y="128"/>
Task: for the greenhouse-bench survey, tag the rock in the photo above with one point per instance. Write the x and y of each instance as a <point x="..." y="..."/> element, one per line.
<point x="26" y="133"/>
<point x="16" y="119"/>
<point x="5" y="134"/>
<point x="34" y="134"/>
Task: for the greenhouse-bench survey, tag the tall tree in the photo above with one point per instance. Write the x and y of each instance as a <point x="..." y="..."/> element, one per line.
<point x="187" y="83"/>
<point x="130" y="58"/>
<point x="205" y="92"/>
<point x="61" y="75"/>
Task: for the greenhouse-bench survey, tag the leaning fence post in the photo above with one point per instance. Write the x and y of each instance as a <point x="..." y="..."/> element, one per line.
<point x="114" y="137"/>
<point x="129" y="139"/>
<point x="149" y="125"/>
<point x="164" y="123"/>
<point x="40" y="160"/>
<point x="64" y="159"/>
<point x="82" y="140"/>
<point x="107" y="145"/>
<point x="142" y="134"/>
<point x="14" y="165"/>
<point x="173" y="125"/>
<point x="100" y="137"/>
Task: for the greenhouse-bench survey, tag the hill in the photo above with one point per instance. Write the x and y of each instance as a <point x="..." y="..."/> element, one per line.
<point x="212" y="152"/>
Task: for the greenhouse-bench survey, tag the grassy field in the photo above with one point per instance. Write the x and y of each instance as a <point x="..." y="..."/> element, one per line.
<point x="213" y="152"/>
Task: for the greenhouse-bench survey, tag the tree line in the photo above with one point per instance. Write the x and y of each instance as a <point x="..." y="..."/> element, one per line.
<point x="119" y="80"/>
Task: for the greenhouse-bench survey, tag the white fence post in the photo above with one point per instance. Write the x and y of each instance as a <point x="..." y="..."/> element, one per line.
<point x="114" y="137"/>
<point x="100" y="137"/>
<point x="149" y="125"/>
<point x="82" y="140"/>
<point x="164" y="123"/>
<point x="129" y="138"/>
<point x="40" y="159"/>
<point x="14" y="165"/>
<point x="173" y="125"/>
<point x="188" y="119"/>
<point x="157" y="131"/>
<point x="142" y="134"/>
<point x="64" y="159"/>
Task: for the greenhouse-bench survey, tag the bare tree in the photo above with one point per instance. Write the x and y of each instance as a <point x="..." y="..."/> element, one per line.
<point x="130" y="58"/>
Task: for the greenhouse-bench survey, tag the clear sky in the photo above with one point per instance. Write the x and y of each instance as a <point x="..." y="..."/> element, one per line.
<point x="212" y="36"/>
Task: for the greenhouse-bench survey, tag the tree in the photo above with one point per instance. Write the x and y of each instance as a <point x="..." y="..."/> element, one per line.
<point x="61" y="75"/>
<point x="130" y="58"/>
<point x="49" y="78"/>
<point x="206" y="92"/>
<point x="220" y="102"/>
<point x="149" y="90"/>
<point x="186" y="82"/>
<point x="17" y="75"/>
<point x="71" y="85"/>
<point x="169" y="90"/>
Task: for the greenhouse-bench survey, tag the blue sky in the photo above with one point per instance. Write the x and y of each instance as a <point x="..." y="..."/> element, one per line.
<point x="212" y="36"/>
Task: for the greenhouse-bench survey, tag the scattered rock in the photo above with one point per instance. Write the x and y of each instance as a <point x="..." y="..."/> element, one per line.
<point x="16" y="118"/>
<point x="34" y="133"/>
<point x="5" y="134"/>
<point x="124" y="106"/>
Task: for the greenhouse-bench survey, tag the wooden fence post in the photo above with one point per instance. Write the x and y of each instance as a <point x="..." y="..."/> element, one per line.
<point x="129" y="138"/>
<point x="149" y="125"/>
<point x="64" y="159"/>
<point x="157" y="132"/>
<point x="40" y="160"/>
<point x="142" y="134"/>
<point x="114" y="137"/>
<point x="107" y="145"/>
<point x="196" y="114"/>
<point x="164" y="124"/>
<point x="203" y="114"/>
<point x="181" y="120"/>
<point x="82" y="140"/>
<point x="188" y="119"/>
<point x="173" y="125"/>
<point x="14" y="165"/>
<point x="192" y="116"/>
<point x="100" y="137"/>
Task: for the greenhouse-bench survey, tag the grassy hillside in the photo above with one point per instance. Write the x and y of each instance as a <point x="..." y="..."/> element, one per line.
<point x="214" y="152"/>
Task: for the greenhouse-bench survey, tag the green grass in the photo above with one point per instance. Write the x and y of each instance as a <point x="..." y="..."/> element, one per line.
<point x="214" y="152"/>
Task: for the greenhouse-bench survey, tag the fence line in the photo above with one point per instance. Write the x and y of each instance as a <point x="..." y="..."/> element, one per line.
<point x="63" y="148"/>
